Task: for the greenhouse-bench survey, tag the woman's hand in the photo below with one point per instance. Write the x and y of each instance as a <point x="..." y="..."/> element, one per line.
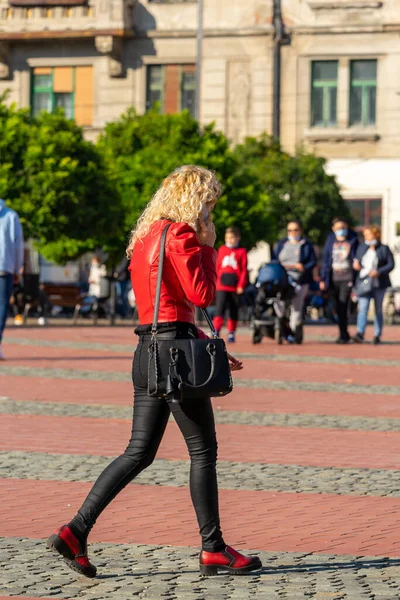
<point x="356" y="265"/>
<point x="374" y="274"/>
<point x="322" y="286"/>
<point x="206" y="232"/>
<point x="234" y="363"/>
<point x="299" y="267"/>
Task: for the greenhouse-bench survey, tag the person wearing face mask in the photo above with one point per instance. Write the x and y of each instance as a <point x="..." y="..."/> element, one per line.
<point x="337" y="273"/>
<point x="373" y="263"/>
<point x="296" y="253"/>
<point x="231" y="281"/>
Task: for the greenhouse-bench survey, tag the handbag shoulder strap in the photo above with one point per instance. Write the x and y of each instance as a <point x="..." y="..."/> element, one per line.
<point x="159" y="279"/>
<point x="158" y="289"/>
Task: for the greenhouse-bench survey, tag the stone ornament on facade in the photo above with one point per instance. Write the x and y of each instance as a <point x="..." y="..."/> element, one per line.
<point x="344" y="4"/>
<point x="113" y="47"/>
<point x="4" y="60"/>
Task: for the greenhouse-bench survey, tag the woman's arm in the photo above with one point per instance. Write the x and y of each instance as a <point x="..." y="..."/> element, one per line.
<point x="311" y="259"/>
<point x="194" y="264"/>
<point x="389" y="265"/>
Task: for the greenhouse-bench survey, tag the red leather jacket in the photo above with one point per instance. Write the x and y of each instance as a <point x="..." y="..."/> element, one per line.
<point x="189" y="274"/>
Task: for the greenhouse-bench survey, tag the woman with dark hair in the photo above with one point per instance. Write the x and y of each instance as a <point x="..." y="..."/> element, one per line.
<point x="296" y="253"/>
<point x="373" y="263"/>
<point x="337" y="273"/>
<point x="185" y="200"/>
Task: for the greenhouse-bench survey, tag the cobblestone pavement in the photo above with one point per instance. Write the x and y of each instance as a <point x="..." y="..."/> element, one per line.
<point x="231" y="476"/>
<point x="156" y="572"/>
<point x="12" y="407"/>
<point x="325" y="528"/>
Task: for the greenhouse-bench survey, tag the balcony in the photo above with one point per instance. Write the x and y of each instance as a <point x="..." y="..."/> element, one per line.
<point x="41" y="19"/>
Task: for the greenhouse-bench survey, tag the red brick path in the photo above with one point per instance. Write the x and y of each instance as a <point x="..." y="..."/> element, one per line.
<point x="262" y="520"/>
<point x="237" y="443"/>
<point x="265" y="400"/>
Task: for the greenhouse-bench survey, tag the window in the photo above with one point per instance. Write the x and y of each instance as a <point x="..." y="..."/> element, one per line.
<point x="366" y="212"/>
<point x="363" y="92"/>
<point x="324" y="93"/>
<point x="69" y="88"/>
<point x="172" y="87"/>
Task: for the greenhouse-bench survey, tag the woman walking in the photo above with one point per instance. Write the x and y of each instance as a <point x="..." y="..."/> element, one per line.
<point x="185" y="199"/>
<point x="337" y="274"/>
<point x="373" y="263"/>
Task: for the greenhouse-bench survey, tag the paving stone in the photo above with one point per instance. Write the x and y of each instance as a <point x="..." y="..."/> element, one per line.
<point x="10" y="406"/>
<point x="130" y="348"/>
<point x="173" y="574"/>
<point x="252" y="383"/>
<point x="235" y="476"/>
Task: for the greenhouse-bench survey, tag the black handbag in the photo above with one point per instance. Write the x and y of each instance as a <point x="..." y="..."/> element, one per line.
<point x="192" y="368"/>
<point x="364" y="286"/>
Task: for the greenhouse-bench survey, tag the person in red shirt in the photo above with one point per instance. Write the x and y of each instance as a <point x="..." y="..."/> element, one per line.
<point x="231" y="280"/>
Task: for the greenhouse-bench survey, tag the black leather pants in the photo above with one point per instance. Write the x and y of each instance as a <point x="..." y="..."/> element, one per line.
<point x="195" y="419"/>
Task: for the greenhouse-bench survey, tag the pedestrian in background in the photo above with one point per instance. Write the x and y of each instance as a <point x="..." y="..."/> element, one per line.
<point x="11" y="260"/>
<point x="122" y="279"/>
<point x="296" y="254"/>
<point x="97" y="272"/>
<point x="373" y="263"/>
<point x="337" y="273"/>
<point x="231" y="281"/>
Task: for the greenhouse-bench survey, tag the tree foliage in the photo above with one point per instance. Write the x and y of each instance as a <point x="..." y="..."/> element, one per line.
<point x="74" y="196"/>
<point x="290" y="187"/>
<point x="57" y="182"/>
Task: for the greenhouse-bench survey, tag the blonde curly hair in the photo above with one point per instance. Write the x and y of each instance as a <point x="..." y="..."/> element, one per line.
<point x="180" y="198"/>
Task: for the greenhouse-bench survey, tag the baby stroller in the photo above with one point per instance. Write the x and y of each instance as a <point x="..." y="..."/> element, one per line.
<point x="95" y="307"/>
<point x="272" y="303"/>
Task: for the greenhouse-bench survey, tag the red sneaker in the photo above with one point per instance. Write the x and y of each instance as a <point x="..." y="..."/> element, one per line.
<point x="65" y="543"/>
<point x="228" y="560"/>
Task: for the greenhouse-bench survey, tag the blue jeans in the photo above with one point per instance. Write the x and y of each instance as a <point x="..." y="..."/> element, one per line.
<point x="363" y="306"/>
<point x="6" y="286"/>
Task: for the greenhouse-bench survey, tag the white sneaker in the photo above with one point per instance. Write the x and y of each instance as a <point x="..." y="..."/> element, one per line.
<point x="42" y="321"/>
<point x="2" y="357"/>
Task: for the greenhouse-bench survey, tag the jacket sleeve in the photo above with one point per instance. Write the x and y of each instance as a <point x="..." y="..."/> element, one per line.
<point x="243" y="270"/>
<point x="194" y="264"/>
<point x="389" y="266"/>
<point x="326" y="263"/>
<point x="275" y="251"/>
<point x="311" y="259"/>
<point x="19" y="246"/>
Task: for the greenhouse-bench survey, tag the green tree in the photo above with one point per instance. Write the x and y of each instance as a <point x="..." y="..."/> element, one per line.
<point x="143" y="149"/>
<point x="290" y="187"/>
<point x="57" y="182"/>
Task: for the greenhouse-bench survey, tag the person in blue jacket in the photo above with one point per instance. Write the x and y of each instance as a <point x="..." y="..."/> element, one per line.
<point x="296" y="254"/>
<point x="373" y="261"/>
<point x="337" y="272"/>
<point x="11" y="259"/>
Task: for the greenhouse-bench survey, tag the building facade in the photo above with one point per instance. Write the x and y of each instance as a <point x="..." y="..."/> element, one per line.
<point x="339" y="85"/>
<point x="341" y="99"/>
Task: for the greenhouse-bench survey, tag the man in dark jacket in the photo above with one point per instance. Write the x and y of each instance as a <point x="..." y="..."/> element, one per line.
<point x="122" y="278"/>
<point x="296" y="253"/>
<point x="337" y="273"/>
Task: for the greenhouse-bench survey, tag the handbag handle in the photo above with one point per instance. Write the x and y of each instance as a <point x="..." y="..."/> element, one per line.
<point x="158" y="289"/>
